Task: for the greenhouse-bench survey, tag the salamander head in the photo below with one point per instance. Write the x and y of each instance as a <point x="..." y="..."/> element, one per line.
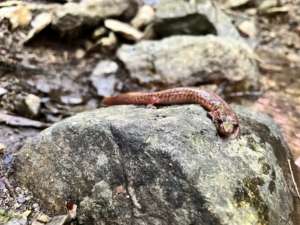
<point x="229" y="127"/>
<point x="227" y="123"/>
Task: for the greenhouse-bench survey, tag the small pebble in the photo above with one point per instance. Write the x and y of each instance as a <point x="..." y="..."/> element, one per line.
<point x="2" y="148"/>
<point x="110" y="41"/>
<point x="18" y="190"/>
<point x="144" y="17"/>
<point x="125" y="29"/>
<point x="251" y="11"/>
<point x="248" y="28"/>
<point x="21" y="199"/>
<point x="43" y="218"/>
<point x="33" y="104"/>
<point x="79" y="54"/>
<point x="266" y="4"/>
<point x="99" y="32"/>
<point x="71" y="100"/>
<point x="2" y="185"/>
<point x="2" y="91"/>
<point x="293" y="57"/>
<point x="36" y="206"/>
<point x="17" y="205"/>
<point x="27" y="198"/>
<point x="297" y="162"/>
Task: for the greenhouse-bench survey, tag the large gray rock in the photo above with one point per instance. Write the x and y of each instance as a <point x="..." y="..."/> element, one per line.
<point x="190" y="60"/>
<point x="136" y="165"/>
<point x="193" y="17"/>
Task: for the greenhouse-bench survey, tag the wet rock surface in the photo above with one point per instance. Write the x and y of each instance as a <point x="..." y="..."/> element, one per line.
<point x="191" y="60"/>
<point x="136" y="165"/>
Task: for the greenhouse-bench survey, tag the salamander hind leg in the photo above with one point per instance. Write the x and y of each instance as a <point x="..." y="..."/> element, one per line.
<point x="154" y="100"/>
<point x="213" y="115"/>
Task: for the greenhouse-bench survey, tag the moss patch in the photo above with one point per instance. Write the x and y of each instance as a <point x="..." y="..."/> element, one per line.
<point x="248" y="194"/>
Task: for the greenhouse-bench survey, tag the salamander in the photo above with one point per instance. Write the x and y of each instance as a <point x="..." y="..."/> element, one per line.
<point x="222" y="115"/>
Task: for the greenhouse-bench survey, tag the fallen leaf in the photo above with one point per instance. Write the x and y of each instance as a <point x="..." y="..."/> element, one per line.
<point x="248" y="28"/>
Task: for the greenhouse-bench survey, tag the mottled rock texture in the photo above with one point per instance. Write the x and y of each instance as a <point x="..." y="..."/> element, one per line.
<point x="137" y="165"/>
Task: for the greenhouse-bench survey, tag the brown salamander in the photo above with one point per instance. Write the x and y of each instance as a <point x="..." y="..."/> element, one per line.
<point x="224" y="118"/>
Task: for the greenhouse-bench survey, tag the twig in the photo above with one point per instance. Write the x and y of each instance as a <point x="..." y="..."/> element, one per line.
<point x="293" y="178"/>
<point x="246" y="93"/>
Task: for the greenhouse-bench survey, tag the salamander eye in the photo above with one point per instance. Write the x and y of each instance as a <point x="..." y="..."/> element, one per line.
<point x="219" y="120"/>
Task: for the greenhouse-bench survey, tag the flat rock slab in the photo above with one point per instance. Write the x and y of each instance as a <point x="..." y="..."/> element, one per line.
<point x="190" y="60"/>
<point x="137" y="165"/>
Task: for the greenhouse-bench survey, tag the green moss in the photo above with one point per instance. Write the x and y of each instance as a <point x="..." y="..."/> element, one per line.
<point x="249" y="193"/>
<point x="272" y="187"/>
<point x="4" y="217"/>
<point x="273" y="175"/>
<point x="266" y="168"/>
<point x="253" y="144"/>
